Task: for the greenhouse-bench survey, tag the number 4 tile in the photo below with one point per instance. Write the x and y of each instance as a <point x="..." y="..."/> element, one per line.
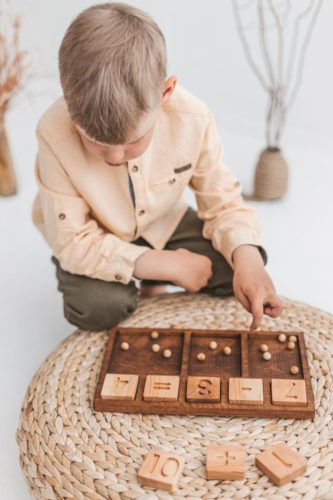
<point x="119" y="386"/>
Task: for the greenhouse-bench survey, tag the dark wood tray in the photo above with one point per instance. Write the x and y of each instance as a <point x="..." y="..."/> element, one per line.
<point x="245" y="361"/>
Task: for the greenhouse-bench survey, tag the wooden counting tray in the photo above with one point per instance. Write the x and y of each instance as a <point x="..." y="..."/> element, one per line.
<point x="241" y="384"/>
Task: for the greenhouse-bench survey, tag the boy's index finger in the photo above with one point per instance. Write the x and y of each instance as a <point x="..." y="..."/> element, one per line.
<point x="257" y="309"/>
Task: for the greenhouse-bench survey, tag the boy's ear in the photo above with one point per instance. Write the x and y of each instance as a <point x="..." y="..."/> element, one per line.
<point x="169" y="87"/>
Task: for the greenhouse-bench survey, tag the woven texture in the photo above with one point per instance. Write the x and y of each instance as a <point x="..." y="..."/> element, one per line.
<point x="271" y="175"/>
<point x="69" y="451"/>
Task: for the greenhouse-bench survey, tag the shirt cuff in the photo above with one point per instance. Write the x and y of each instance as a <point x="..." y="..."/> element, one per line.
<point x="232" y="239"/>
<point x="119" y="264"/>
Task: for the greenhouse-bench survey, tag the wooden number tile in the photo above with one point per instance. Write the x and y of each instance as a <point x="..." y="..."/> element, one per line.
<point x="289" y="392"/>
<point x="246" y="390"/>
<point x="161" y="470"/>
<point x="119" y="386"/>
<point x="225" y="462"/>
<point x="281" y="464"/>
<point x="204" y="389"/>
<point x="161" y="388"/>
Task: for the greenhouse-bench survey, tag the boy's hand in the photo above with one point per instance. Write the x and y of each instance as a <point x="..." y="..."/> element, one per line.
<point x="253" y="286"/>
<point x="182" y="267"/>
<point x="191" y="270"/>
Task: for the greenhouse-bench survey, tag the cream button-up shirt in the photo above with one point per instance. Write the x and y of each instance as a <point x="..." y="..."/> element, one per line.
<point x="89" y="212"/>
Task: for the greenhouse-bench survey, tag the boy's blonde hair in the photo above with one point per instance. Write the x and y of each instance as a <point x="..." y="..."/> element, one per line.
<point x="112" y="63"/>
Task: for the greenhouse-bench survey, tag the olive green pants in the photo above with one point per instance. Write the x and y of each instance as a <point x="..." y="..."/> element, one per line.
<point x="94" y="304"/>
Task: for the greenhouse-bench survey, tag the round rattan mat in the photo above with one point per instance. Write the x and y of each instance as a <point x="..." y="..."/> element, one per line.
<point x="69" y="451"/>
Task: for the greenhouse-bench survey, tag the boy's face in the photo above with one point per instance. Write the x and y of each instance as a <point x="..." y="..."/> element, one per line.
<point x="116" y="155"/>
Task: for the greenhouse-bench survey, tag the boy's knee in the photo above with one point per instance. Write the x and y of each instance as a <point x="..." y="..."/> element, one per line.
<point x="103" y="309"/>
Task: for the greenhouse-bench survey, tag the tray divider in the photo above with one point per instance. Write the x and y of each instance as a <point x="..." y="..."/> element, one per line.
<point x="244" y="354"/>
<point x="184" y="366"/>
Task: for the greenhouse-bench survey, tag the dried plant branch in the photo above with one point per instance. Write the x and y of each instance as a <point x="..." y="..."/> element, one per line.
<point x="278" y="83"/>
<point x="13" y="64"/>
<point x="246" y="47"/>
<point x="300" y="67"/>
<point x="264" y="44"/>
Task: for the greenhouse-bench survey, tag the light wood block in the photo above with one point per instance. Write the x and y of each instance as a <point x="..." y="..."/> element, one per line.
<point x="204" y="389"/>
<point x="225" y="462"/>
<point x="161" y="470"/>
<point x="246" y="390"/>
<point x="119" y="386"/>
<point x="289" y="392"/>
<point x="281" y="464"/>
<point x="161" y="388"/>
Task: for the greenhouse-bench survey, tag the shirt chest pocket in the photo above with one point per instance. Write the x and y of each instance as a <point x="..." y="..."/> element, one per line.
<point x="177" y="176"/>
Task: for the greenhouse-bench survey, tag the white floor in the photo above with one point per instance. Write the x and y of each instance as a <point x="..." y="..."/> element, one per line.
<point x="297" y="234"/>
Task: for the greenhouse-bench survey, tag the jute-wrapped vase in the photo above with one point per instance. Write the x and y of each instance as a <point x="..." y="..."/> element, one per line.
<point x="271" y="175"/>
<point x="7" y="174"/>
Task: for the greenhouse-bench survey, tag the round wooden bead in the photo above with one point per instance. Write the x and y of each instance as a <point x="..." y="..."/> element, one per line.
<point x="154" y="334"/>
<point x="167" y="353"/>
<point x="124" y="346"/>
<point x="227" y="350"/>
<point x="282" y="337"/>
<point x="213" y="344"/>
<point x="156" y="347"/>
<point x="291" y="345"/>
<point x="201" y="356"/>
<point x="267" y="356"/>
<point x="294" y="370"/>
<point x="264" y="347"/>
<point x="292" y="338"/>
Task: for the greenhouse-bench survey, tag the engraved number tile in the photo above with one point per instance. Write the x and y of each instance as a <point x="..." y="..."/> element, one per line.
<point x="119" y="386"/>
<point x="203" y="389"/>
<point x="288" y="392"/>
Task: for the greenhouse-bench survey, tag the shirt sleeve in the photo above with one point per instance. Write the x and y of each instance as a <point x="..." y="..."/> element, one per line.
<point x="80" y="244"/>
<point x="228" y="221"/>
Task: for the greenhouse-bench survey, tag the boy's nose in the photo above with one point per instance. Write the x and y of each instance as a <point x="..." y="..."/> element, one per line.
<point x="115" y="160"/>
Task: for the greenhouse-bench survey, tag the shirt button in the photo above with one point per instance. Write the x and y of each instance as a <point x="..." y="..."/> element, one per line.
<point x="171" y="181"/>
<point x="62" y="216"/>
<point x="135" y="168"/>
<point x="118" y="277"/>
<point x="141" y="212"/>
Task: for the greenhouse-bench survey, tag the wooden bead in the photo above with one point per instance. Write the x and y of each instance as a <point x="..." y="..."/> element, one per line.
<point x="213" y="344"/>
<point x="124" y="346"/>
<point x="291" y="345"/>
<point x="282" y="337"/>
<point x="201" y="356"/>
<point x="227" y="350"/>
<point x="154" y="334"/>
<point x="264" y="347"/>
<point x="167" y="353"/>
<point x="156" y="347"/>
<point x="294" y="370"/>
<point x="267" y="356"/>
<point x="292" y="338"/>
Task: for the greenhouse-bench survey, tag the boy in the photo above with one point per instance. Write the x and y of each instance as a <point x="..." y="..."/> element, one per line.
<point x="115" y="154"/>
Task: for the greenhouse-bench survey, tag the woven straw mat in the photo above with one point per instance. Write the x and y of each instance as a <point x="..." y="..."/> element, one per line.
<point x="68" y="451"/>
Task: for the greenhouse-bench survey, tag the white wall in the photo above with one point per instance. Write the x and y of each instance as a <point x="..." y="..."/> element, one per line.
<point x="205" y="53"/>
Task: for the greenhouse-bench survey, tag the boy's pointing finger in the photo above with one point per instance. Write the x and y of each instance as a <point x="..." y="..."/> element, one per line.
<point x="257" y="311"/>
